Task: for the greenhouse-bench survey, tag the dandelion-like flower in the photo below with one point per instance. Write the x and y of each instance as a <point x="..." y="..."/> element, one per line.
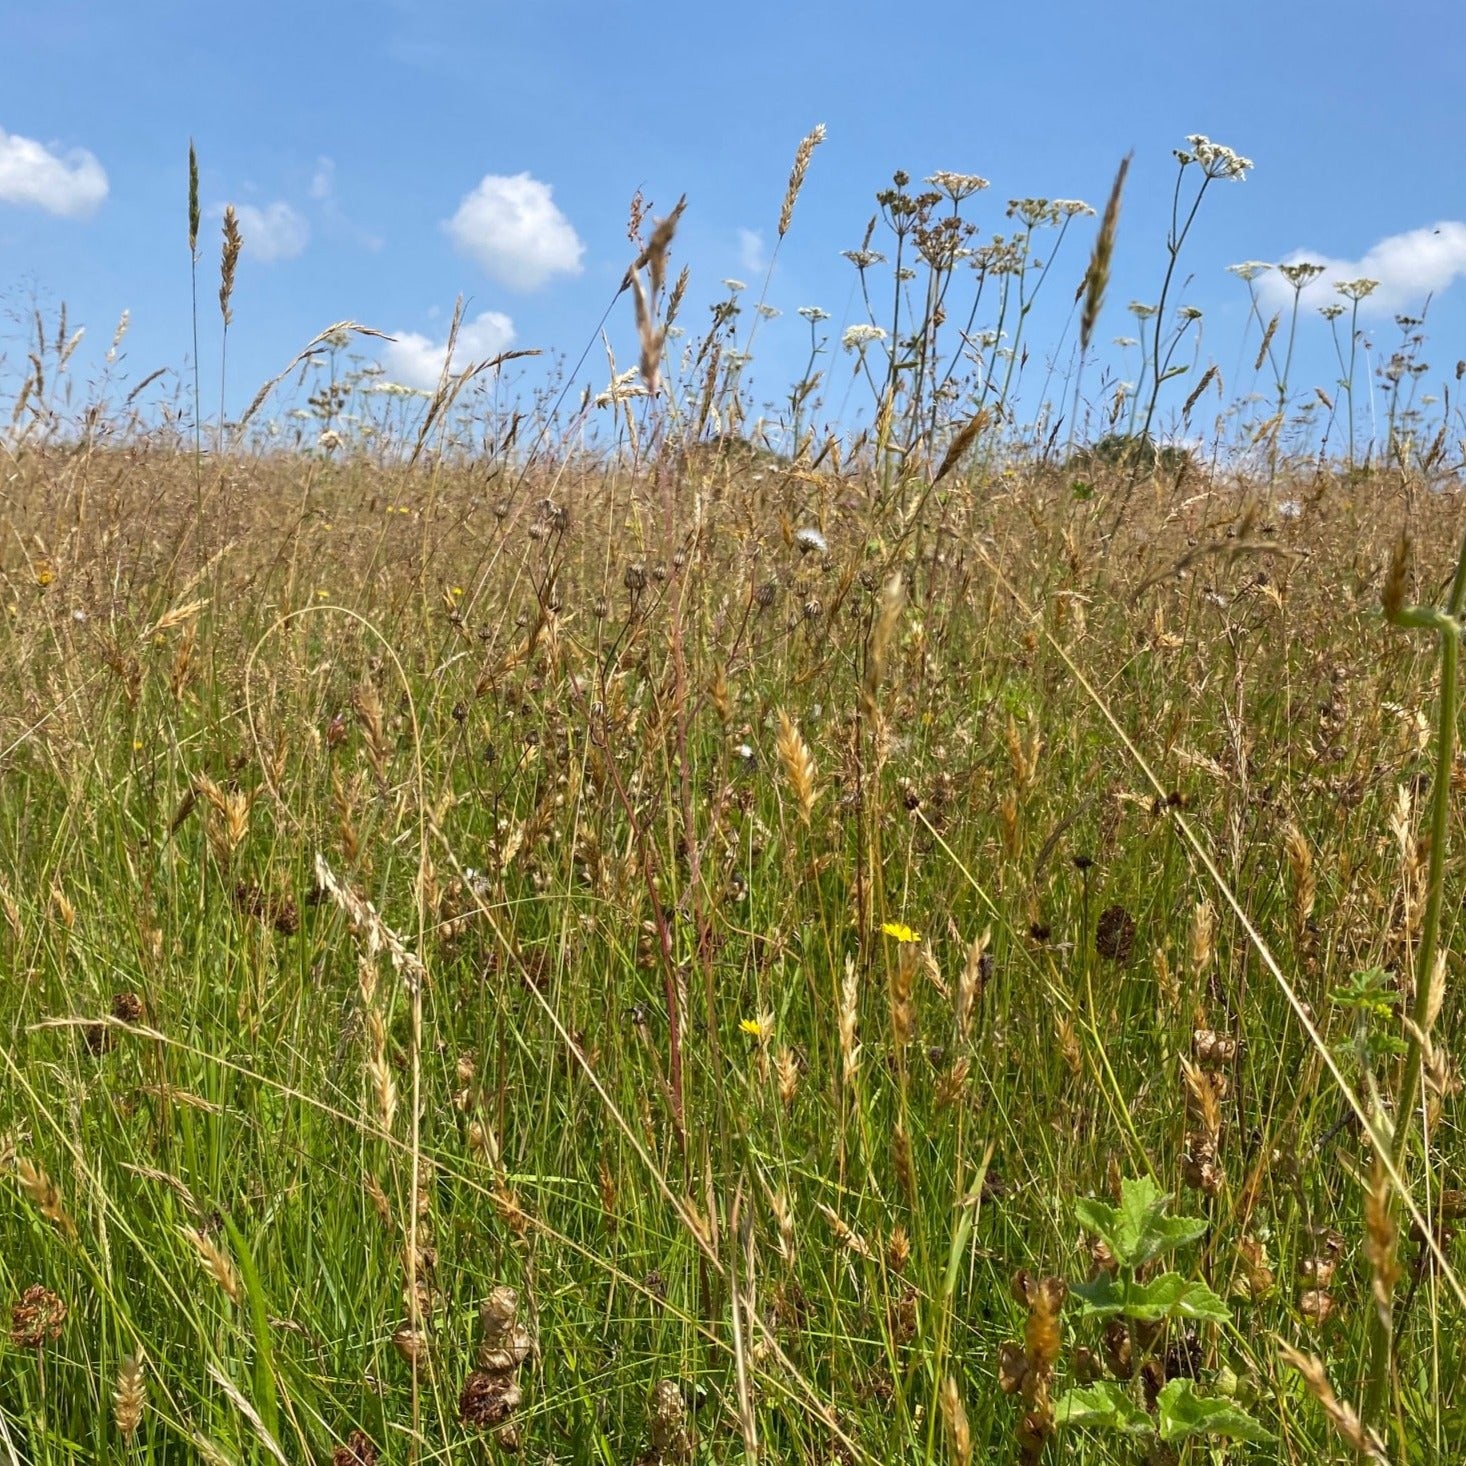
<point x="957" y="186"/>
<point x="1356" y="290"/>
<point x="813" y="314"/>
<point x="1249" y="270"/>
<point x="899" y="931"/>
<point x="761" y="1028"/>
<point x="860" y="335"/>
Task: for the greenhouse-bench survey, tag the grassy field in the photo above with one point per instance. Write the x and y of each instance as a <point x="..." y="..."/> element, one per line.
<point x="706" y="955"/>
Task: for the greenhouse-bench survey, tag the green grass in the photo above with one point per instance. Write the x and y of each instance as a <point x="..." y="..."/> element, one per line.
<point x="646" y="800"/>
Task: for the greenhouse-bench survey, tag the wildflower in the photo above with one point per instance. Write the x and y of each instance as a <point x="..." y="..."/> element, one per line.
<point x="1289" y="509"/>
<point x="863" y="259"/>
<point x="1141" y="311"/>
<point x="813" y="314"/>
<point x="809" y="540"/>
<point x="1189" y="313"/>
<point x="1249" y="270"/>
<point x="1069" y="209"/>
<point x="36" y="1318"/>
<point x="1032" y="211"/>
<point x="768" y="312"/>
<point x="957" y="186"/>
<point x="760" y="1028"/>
<point x="899" y="931"/>
<point x="859" y="336"/>
<point x="734" y="286"/>
<point x="1355" y="290"/>
<point x="1301" y="273"/>
<point x="1216" y="160"/>
<point x="1332" y="311"/>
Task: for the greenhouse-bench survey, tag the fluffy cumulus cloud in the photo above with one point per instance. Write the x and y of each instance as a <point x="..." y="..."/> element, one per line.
<point x="1408" y="266"/>
<point x="416" y="361"/>
<point x="513" y="230"/>
<point x="71" y="185"/>
<point x="275" y="232"/>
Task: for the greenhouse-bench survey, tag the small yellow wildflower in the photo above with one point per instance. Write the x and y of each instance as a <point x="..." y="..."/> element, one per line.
<point x="760" y="1028"/>
<point x="900" y="931"/>
<point x="45" y="573"/>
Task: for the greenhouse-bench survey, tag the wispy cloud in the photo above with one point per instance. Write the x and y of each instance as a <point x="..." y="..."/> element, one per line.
<point x="329" y="211"/>
<point x="70" y="185"/>
<point x="513" y="230"/>
<point x="415" y="360"/>
<point x="751" y="251"/>
<point x="275" y="232"/>
<point x="1408" y="267"/>
<point x="323" y="180"/>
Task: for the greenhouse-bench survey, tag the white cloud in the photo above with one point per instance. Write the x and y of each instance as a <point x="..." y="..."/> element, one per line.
<point x="416" y="361"/>
<point x="71" y="185"/>
<point x="1408" y="266"/>
<point x="751" y="251"/>
<point x="323" y="180"/>
<point x="276" y="232"/>
<point x="513" y="230"/>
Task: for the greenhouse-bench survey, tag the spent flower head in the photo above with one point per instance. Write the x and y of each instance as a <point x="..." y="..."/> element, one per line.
<point x="1300" y="274"/>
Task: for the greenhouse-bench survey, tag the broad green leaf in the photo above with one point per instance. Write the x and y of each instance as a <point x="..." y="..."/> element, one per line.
<point x="1168" y="1296"/>
<point x="1103" y="1406"/>
<point x="1184" y="1413"/>
<point x="1138" y="1229"/>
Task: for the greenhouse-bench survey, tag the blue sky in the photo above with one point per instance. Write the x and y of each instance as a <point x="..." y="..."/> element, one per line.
<point x="375" y="149"/>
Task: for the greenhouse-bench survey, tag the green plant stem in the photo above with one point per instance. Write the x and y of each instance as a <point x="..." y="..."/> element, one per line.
<point x="1447" y="624"/>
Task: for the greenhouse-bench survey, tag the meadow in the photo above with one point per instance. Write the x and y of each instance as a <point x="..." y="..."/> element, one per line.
<point x="733" y="943"/>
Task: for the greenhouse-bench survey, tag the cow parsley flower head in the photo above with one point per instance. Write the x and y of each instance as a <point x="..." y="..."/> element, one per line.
<point x="1356" y="289"/>
<point x="860" y="335"/>
<point x="1250" y="269"/>
<point x="1301" y="274"/>
<point x="1216" y="160"/>
<point x="813" y="314"/>
<point x="957" y="186"/>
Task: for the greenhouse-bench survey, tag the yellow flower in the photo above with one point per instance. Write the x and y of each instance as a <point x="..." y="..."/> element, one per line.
<point x="900" y="931"/>
<point x="760" y="1028"/>
<point x="45" y="573"/>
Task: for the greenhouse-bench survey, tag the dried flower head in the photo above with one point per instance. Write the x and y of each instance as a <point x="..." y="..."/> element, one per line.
<point x="36" y="1318"/>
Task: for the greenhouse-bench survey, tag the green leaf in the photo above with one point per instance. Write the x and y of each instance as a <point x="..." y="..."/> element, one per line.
<point x="1184" y="1413"/>
<point x="1168" y="1296"/>
<point x="1138" y="1229"/>
<point x="1103" y="1406"/>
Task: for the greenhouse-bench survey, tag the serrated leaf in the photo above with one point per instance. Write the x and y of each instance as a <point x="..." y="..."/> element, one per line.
<point x="1185" y="1413"/>
<point x="1168" y="1296"/>
<point x="1138" y="1229"/>
<point x="1103" y="1406"/>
